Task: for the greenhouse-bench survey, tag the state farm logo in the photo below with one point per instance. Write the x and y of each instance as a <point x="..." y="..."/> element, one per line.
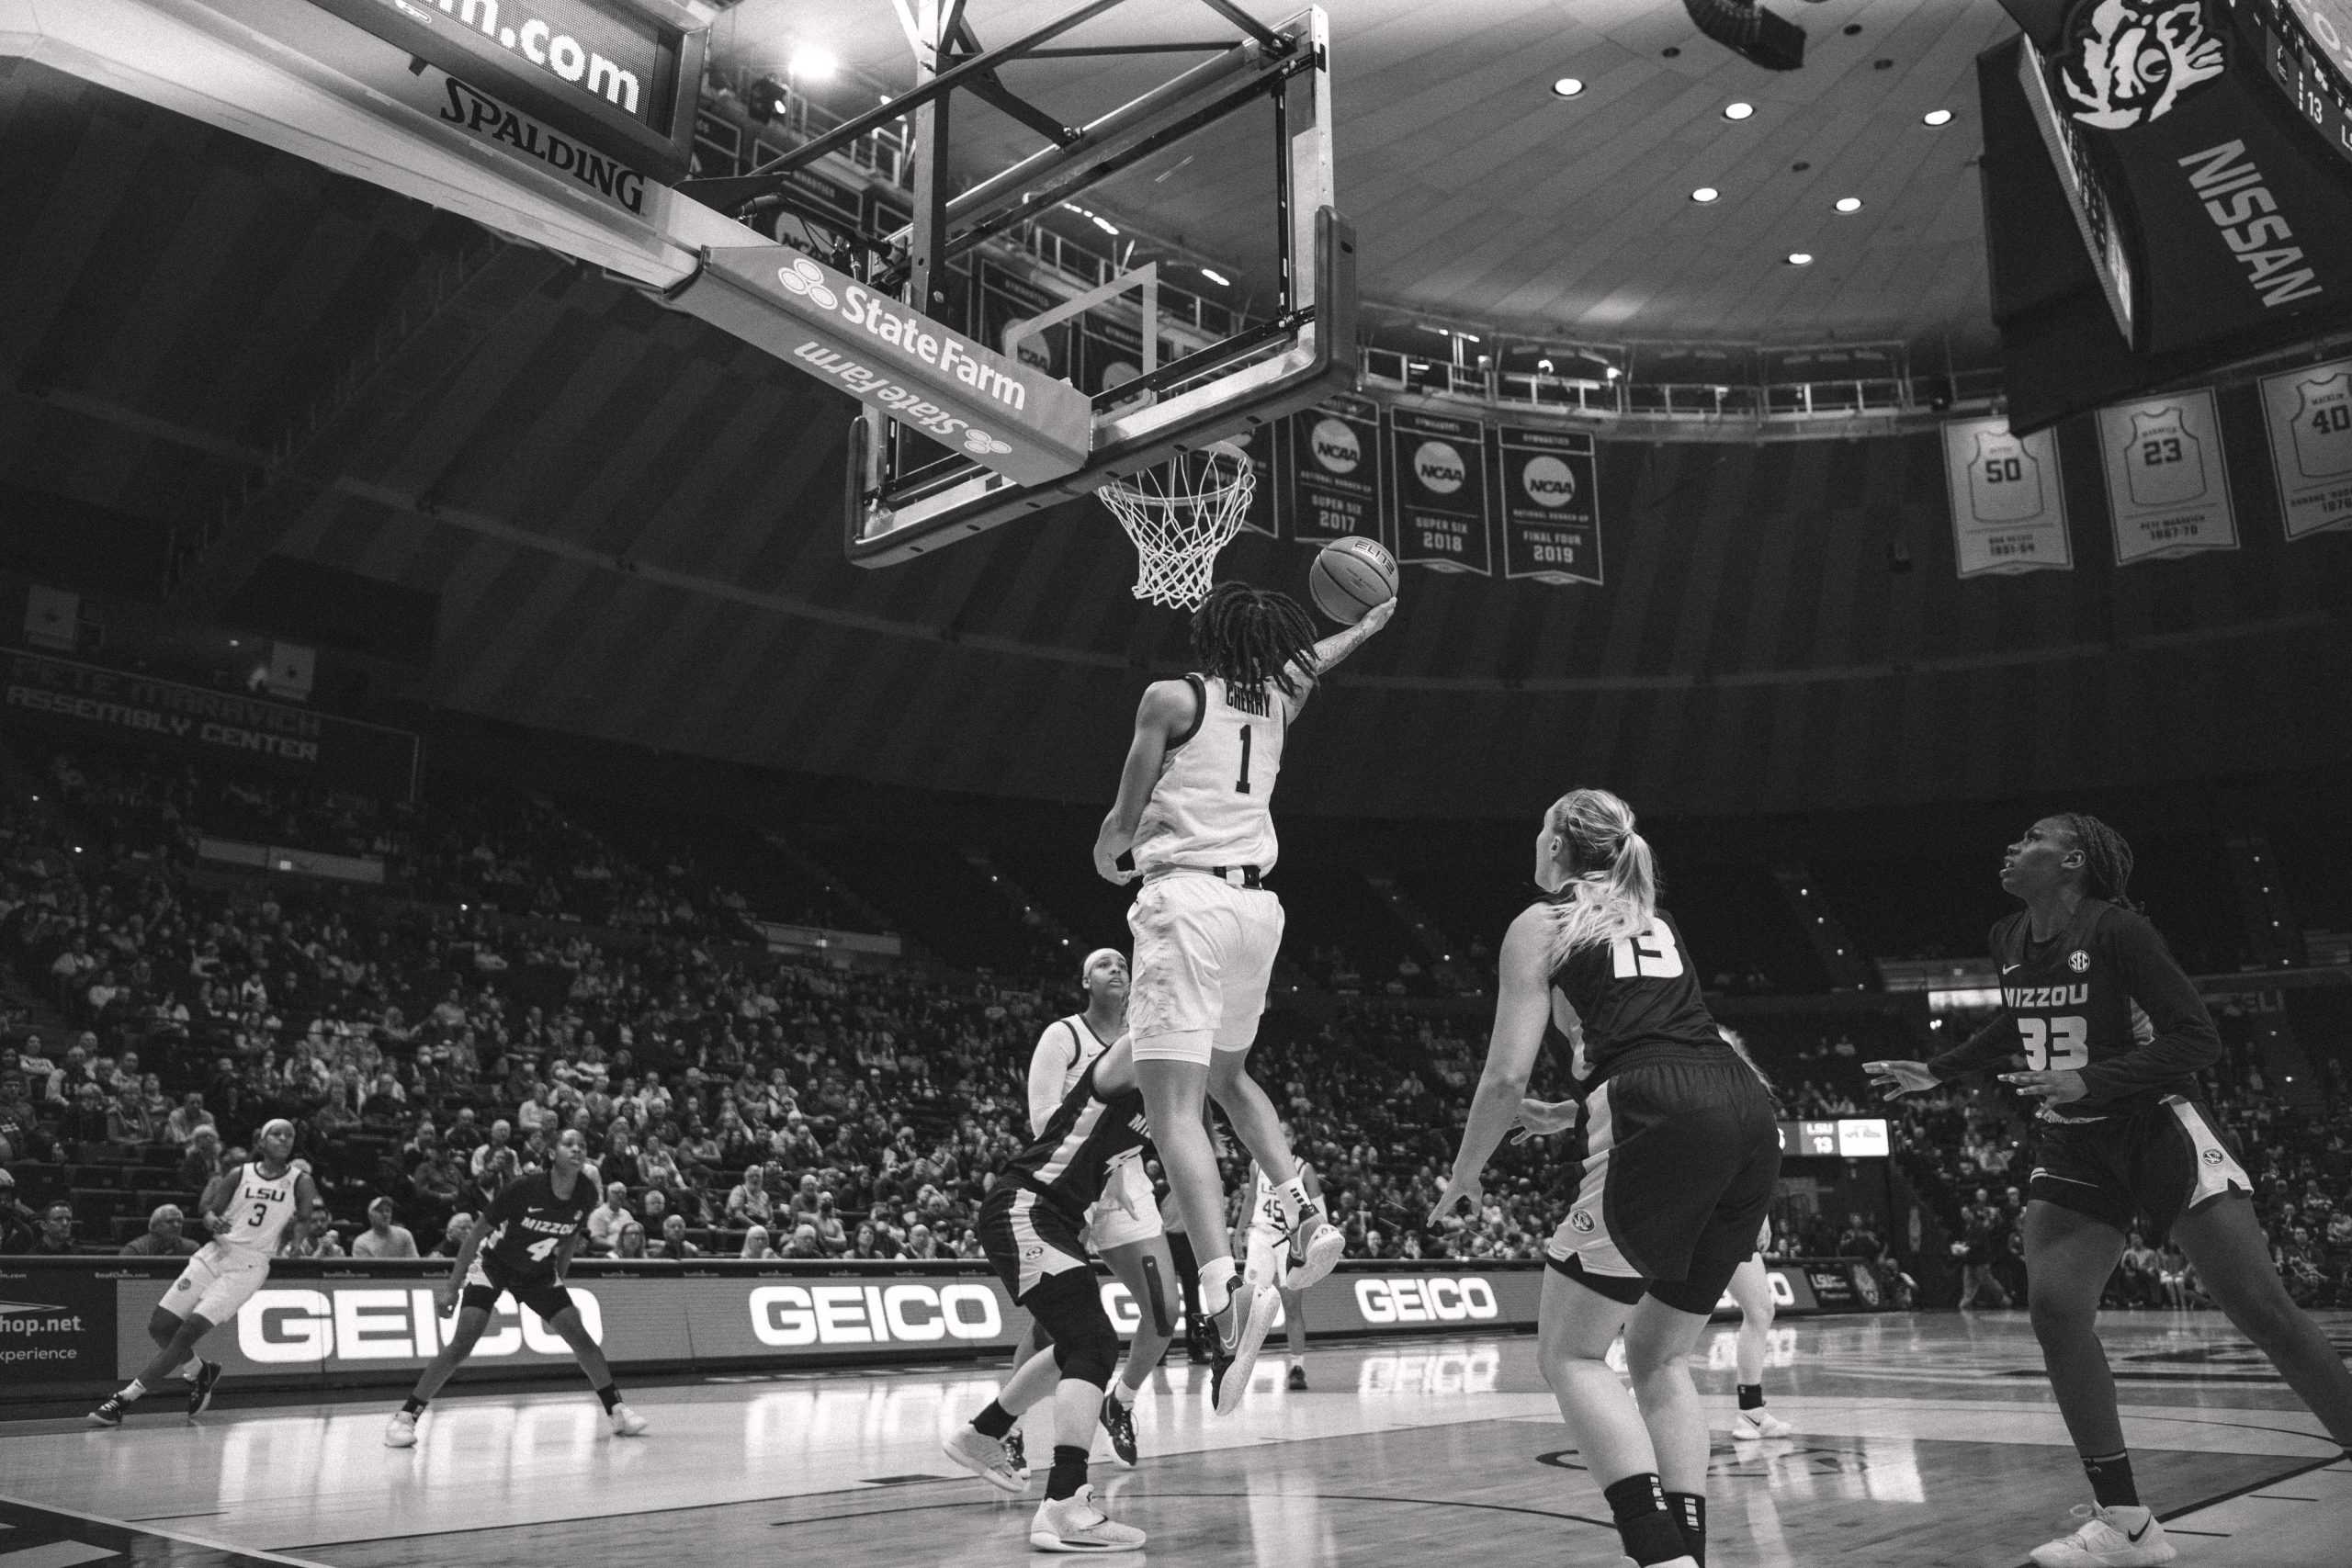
<point x="1438" y="467"/>
<point x="2125" y="62"/>
<point x="1437" y="1299"/>
<point x="1548" y="482"/>
<point x="807" y="279"/>
<point x="787" y="1316"/>
<point x="285" y="1325"/>
<point x="1335" y="446"/>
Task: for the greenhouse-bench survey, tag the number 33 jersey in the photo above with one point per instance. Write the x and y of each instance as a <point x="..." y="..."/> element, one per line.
<point x="528" y="1224"/>
<point x="2103" y="998"/>
<point x="1635" y="997"/>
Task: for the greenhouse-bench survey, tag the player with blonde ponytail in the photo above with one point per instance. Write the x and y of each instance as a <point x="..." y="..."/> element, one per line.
<point x="1682" y="1156"/>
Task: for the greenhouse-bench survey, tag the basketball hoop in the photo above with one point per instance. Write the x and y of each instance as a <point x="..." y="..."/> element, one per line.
<point x="1180" y="514"/>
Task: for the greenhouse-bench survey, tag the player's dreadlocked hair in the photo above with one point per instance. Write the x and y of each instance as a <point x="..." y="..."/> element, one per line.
<point x="1248" y="636"/>
<point x="2107" y="859"/>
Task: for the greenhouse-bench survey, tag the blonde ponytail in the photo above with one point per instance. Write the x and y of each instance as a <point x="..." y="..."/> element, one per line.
<point x="1614" y="895"/>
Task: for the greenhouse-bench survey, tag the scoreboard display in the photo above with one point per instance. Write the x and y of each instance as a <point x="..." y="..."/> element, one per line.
<point x="1844" y="1137"/>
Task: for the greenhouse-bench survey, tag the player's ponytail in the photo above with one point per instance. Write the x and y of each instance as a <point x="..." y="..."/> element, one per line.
<point x="1614" y="891"/>
<point x="2107" y="859"/>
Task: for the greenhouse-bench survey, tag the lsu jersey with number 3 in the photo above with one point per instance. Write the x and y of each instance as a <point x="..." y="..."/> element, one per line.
<point x="257" y="1213"/>
<point x="1637" y="997"/>
<point x="1213" y="804"/>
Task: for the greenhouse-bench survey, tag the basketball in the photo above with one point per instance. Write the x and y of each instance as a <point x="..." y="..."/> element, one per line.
<point x="1350" y="576"/>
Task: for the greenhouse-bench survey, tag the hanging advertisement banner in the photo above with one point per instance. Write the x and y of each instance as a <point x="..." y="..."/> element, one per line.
<point x="1336" y="488"/>
<point x="2308" y="415"/>
<point x="1438" y="474"/>
<point x="2167" y="484"/>
<point x="2009" y="503"/>
<point x="1550" y="505"/>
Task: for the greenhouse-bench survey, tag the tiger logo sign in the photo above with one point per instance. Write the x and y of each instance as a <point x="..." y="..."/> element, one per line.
<point x="2125" y="62"/>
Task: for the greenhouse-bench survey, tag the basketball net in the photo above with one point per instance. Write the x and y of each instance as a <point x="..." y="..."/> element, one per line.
<point x="1180" y="514"/>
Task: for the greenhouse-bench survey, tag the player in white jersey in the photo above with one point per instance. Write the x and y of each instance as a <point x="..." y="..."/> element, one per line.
<point x="1124" y="1229"/>
<point x="1262" y="1236"/>
<point x="248" y="1209"/>
<point x="1195" y="809"/>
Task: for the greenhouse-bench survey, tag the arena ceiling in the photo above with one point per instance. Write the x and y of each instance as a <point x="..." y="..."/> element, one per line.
<point x="630" y="527"/>
<point x="1481" y="197"/>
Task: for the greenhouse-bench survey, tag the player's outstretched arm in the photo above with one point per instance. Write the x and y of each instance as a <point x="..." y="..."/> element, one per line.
<point x="1338" y="645"/>
<point x="1166" y="712"/>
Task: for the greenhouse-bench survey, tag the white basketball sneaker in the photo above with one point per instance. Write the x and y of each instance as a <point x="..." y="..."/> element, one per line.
<point x="1315" y="1246"/>
<point x="401" y="1431"/>
<point x="628" y="1423"/>
<point x="2108" y="1538"/>
<point x="1750" y="1425"/>
<point x="985" y="1457"/>
<point x="1075" y="1524"/>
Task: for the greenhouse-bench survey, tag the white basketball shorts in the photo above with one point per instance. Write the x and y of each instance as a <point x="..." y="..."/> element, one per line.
<point x="1126" y="1213"/>
<point x="213" y="1286"/>
<point x="1204" y="955"/>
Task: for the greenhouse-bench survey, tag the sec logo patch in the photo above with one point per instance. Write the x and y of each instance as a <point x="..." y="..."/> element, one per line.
<point x="1032" y="1253"/>
<point x="1580" y="1221"/>
<point x="2079" y="961"/>
<point x="2212" y="1157"/>
<point x="184" y="1285"/>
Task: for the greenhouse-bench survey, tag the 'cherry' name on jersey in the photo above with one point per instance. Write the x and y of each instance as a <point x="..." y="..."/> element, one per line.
<point x="1633" y="996"/>
<point x="2103" y="998"/>
<point x="1070" y="1162"/>
<point x="528" y="1224"/>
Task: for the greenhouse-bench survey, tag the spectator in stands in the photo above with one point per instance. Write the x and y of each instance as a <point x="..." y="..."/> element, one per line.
<point x="21" y="1135"/>
<point x="606" y="1220"/>
<point x="499" y="1141"/>
<point x="756" y="1243"/>
<point x="830" y="1233"/>
<point x="34" y="1066"/>
<point x="747" y="1201"/>
<point x="631" y="1242"/>
<point x="453" y="1235"/>
<point x="502" y="1167"/>
<point x="465" y="1134"/>
<point x="181" y="1125"/>
<point x="804" y="1203"/>
<point x="55" y="1236"/>
<point x="130" y="1124"/>
<point x="673" y="1242"/>
<point x="383" y="1238"/>
<point x="201" y="1161"/>
<point x="434" y="1183"/>
<point x="162" y="1238"/>
<point x="315" y="1237"/>
<point x="870" y="1243"/>
<point x="17" y="1223"/>
<point x="803" y="1243"/>
<point x="919" y="1242"/>
<point x="85" y="1121"/>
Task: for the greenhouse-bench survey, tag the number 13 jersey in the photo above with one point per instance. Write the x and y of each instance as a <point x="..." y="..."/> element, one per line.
<point x="1635" y="997"/>
<point x="1213" y="805"/>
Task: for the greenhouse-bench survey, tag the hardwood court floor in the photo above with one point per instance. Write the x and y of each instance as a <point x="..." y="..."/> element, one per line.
<point x="1921" y="1440"/>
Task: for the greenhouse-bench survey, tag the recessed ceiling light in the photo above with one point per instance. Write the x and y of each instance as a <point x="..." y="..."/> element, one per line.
<point x="1705" y="194"/>
<point x="1216" y="277"/>
<point x="1800" y="258"/>
<point x="1104" y="224"/>
<point x="811" y="65"/>
<point x="1936" y="117"/>
<point x="1738" y="111"/>
<point x="1568" y="86"/>
<point x="1850" y="204"/>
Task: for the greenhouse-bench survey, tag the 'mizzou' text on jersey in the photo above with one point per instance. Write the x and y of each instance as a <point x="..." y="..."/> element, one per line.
<point x="2026" y="998"/>
<point x="2251" y="224"/>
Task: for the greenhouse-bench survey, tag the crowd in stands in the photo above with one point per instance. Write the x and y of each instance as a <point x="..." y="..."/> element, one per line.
<point x="525" y="972"/>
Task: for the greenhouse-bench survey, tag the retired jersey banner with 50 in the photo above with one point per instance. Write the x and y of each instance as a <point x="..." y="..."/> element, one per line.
<point x="2308" y="414"/>
<point x="1336" y="486"/>
<point x="2009" y="507"/>
<point x="1438" y="474"/>
<point x="1550" y="505"/>
<point x="2167" y="486"/>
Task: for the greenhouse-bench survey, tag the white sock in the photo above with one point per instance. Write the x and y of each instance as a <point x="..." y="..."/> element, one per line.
<point x="134" y="1391"/>
<point x="1216" y="1279"/>
<point x="1124" y="1394"/>
<point x="1294" y="1199"/>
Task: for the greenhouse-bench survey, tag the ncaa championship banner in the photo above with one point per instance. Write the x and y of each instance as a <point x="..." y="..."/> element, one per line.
<point x="2167" y="483"/>
<point x="2308" y="415"/>
<point x="1438" y="474"/>
<point x="2008" y="502"/>
<point x="1335" y="469"/>
<point x="1550" y="505"/>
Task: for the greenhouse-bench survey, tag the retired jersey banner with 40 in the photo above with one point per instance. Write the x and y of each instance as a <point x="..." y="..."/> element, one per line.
<point x="1438" y="474"/>
<point x="2009" y="507"/>
<point x="2167" y="486"/>
<point x="2308" y="414"/>
<point x="1550" y="504"/>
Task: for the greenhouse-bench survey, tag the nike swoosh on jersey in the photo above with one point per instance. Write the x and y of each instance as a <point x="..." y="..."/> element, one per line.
<point x="2039" y="1174"/>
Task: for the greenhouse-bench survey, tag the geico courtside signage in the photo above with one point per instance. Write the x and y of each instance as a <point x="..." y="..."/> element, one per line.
<point x="1014" y="418"/>
<point x="786" y="1317"/>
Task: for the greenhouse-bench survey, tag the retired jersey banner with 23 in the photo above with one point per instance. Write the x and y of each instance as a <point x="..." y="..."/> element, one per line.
<point x="2308" y="415"/>
<point x="2009" y="505"/>
<point x="2167" y="486"/>
<point x="1438" y="474"/>
<point x="1335" y="488"/>
<point x="1550" y="505"/>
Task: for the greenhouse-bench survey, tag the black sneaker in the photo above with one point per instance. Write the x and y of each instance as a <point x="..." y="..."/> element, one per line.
<point x="110" y="1413"/>
<point x="1296" y="1382"/>
<point x="199" y="1393"/>
<point x="1120" y="1423"/>
<point x="1239" y="1330"/>
<point x="1015" y="1453"/>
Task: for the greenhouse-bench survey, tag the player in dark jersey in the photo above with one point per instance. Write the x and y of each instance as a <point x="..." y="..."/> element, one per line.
<point x="1030" y="1226"/>
<point x="2112" y="1034"/>
<point x="521" y="1247"/>
<point x="1682" y="1156"/>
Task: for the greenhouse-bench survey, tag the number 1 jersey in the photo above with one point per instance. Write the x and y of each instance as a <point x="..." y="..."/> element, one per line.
<point x="2103" y="998"/>
<point x="1213" y="804"/>
<point x="528" y="1224"/>
<point x="1635" y="997"/>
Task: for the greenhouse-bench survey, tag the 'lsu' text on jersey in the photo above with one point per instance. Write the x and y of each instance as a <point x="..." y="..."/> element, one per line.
<point x="1213" y="805"/>
<point x="257" y="1213"/>
<point x="2102" y="998"/>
